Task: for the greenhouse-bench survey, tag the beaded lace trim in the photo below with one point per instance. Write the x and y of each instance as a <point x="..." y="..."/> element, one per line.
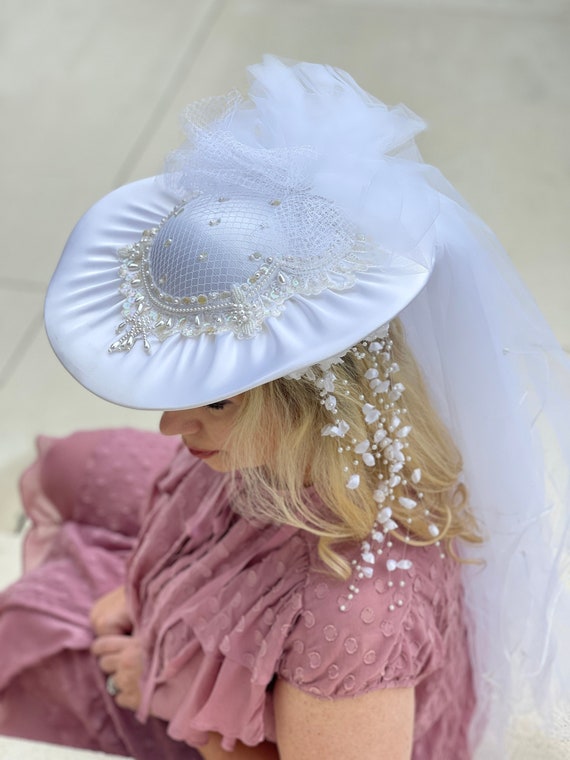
<point x="196" y="274"/>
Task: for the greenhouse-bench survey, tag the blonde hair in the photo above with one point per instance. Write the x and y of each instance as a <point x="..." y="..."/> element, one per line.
<point x="291" y="415"/>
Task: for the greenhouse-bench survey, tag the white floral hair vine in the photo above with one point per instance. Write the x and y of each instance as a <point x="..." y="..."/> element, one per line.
<point x="384" y="448"/>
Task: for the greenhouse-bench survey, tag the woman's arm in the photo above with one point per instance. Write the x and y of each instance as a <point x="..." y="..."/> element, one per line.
<point x="378" y="724"/>
<point x="213" y="751"/>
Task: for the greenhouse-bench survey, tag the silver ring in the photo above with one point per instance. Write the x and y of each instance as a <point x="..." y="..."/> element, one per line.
<point x="111" y="686"/>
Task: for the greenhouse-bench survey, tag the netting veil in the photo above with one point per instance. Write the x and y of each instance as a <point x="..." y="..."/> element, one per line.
<point x="310" y="157"/>
<point x="502" y="385"/>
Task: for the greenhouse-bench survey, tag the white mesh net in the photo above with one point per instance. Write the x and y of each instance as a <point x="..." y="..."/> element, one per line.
<point x="215" y="244"/>
<point x="220" y="263"/>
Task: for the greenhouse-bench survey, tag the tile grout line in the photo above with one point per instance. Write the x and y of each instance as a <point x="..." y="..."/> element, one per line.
<point x="169" y="91"/>
<point x="559" y="14"/>
<point x="15" y="357"/>
<point x="21" y="284"/>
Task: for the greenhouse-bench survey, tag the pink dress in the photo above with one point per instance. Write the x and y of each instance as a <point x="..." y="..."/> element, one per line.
<point x="223" y="608"/>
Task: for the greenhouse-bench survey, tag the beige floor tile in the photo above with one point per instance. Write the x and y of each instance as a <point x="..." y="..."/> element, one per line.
<point x="20" y="315"/>
<point x="79" y="83"/>
<point x="11" y="515"/>
<point x="10" y="559"/>
<point x="518" y="7"/>
<point x="17" y="749"/>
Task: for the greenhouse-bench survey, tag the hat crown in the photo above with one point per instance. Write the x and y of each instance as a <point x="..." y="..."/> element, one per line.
<point x="213" y="244"/>
<point x="218" y="264"/>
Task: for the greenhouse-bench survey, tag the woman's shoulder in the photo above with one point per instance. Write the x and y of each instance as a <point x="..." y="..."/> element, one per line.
<point x="362" y="633"/>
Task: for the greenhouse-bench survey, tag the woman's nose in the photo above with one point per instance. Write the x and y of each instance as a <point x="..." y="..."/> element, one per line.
<point x="178" y="423"/>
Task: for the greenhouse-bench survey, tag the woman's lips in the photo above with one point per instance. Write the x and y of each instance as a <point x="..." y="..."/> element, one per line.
<point x="201" y="454"/>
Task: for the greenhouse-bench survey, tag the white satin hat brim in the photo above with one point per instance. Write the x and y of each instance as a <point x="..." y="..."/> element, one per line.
<point x="83" y="309"/>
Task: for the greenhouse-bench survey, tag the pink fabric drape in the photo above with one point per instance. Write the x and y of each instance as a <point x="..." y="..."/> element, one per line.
<point x="222" y="607"/>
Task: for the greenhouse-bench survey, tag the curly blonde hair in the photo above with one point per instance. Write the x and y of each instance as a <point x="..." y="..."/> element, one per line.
<point x="280" y="423"/>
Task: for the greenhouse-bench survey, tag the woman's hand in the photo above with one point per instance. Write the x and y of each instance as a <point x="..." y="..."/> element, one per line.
<point x="121" y="657"/>
<point x="109" y="614"/>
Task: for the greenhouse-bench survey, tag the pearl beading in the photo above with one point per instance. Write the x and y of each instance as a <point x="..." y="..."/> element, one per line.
<point x="252" y="240"/>
<point x="386" y="445"/>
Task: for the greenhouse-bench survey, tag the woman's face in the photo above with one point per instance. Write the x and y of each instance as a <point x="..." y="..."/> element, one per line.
<point x="205" y="430"/>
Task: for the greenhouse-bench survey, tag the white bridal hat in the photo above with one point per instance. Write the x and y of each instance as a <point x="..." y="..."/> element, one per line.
<point x="289" y="227"/>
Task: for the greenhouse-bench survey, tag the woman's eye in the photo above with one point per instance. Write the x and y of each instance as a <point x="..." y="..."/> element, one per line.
<point x="217" y="405"/>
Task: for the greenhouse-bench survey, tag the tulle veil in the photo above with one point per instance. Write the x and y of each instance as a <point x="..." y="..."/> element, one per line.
<point x="496" y="373"/>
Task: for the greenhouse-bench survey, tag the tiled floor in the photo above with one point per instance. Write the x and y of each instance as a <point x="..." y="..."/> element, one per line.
<point x="90" y="95"/>
<point x="17" y="749"/>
